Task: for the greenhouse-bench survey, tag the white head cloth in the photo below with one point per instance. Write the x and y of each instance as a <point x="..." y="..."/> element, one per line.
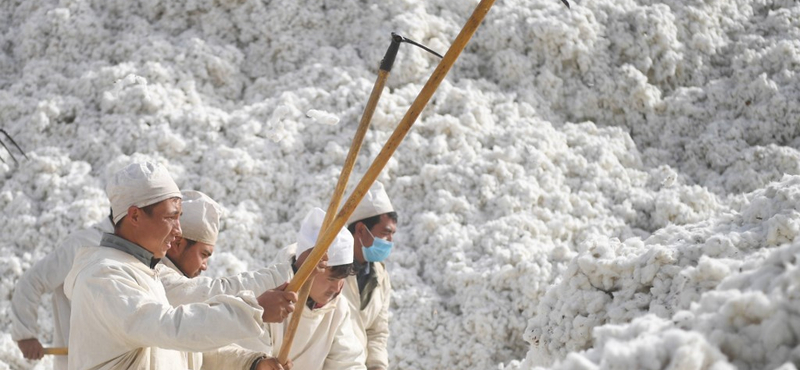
<point x="375" y="202"/>
<point x="341" y="250"/>
<point x="139" y="184"/>
<point x="200" y="218"/>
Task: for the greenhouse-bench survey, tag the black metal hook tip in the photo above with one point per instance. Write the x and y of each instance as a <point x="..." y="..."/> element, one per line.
<point x="423" y="47"/>
<point x="566" y="3"/>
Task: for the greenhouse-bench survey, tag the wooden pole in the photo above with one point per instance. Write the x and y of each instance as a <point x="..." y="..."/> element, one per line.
<point x="336" y="199"/>
<point x="325" y="239"/>
<point x="288" y="336"/>
<point x="61" y="351"/>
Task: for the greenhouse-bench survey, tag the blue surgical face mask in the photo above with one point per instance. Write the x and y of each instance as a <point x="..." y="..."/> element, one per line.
<point x="379" y="250"/>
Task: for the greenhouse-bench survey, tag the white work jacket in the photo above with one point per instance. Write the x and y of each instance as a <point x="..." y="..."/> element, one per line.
<point x="45" y="276"/>
<point x="121" y="318"/>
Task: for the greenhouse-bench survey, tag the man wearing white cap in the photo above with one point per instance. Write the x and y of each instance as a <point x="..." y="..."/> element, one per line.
<point x="325" y="338"/>
<point x="373" y="224"/>
<point x="121" y="317"/>
<point x="200" y="227"/>
<point x="46" y="276"/>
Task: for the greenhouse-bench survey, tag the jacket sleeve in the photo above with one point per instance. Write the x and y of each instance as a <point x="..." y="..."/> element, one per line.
<point x="182" y="290"/>
<point x="346" y="352"/>
<point x="230" y="357"/>
<point x="378" y="332"/>
<point x="125" y="306"/>
<point x="44" y="276"/>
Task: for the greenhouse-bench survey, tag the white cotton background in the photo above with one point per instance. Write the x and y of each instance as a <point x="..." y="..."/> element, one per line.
<point x="615" y="185"/>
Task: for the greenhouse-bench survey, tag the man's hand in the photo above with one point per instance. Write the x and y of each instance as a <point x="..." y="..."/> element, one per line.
<point x="321" y="266"/>
<point x="277" y="304"/>
<point x="271" y="363"/>
<point x="31" y="348"/>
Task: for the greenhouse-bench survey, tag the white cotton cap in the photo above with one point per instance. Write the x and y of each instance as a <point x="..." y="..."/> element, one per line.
<point x="200" y="218"/>
<point x="375" y="202"/>
<point x="341" y="250"/>
<point x="139" y="184"/>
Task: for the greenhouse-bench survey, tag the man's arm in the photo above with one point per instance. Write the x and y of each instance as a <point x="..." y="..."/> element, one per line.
<point x="121" y="305"/>
<point x="181" y="290"/>
<point x="267" y="283"/>
<point x="44" y="276"/>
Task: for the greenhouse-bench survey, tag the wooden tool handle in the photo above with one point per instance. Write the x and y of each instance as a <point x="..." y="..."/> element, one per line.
<point x="60" y="351"/>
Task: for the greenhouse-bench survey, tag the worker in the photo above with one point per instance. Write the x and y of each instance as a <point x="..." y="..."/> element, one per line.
<point x="373" y="224"/>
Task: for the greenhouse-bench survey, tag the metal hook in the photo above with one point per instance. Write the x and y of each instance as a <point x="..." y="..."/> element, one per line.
<point x="412" y="42"/>
<point x="391" y="53"/>
<point x="8" y="150"/>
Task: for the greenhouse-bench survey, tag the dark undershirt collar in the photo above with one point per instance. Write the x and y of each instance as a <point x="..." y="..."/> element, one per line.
<point x="121" y="244"/>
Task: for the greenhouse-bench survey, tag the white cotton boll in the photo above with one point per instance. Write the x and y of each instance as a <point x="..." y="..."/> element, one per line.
<point x="710" y="270"/>
<point x="683" y="320"/>
<point x="323" y="117"/>
<point x="783" y="228"/>
<point x="275" y="126"/>
<point x="132" y="94"/>
<point x="166" y="141"/>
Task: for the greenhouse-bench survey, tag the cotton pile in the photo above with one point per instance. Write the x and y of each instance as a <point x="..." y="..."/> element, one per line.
<point x="614" y="185"/>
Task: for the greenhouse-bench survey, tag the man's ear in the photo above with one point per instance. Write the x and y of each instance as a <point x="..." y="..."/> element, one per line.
<point x="134" y="213"/>
<point x="360" y="227"/>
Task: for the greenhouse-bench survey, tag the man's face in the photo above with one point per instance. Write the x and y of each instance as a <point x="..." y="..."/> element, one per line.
<point x="159" y="229"/>
<point x="190" y="259"/>
<point x="325" y="287"/>
<point x="384" y="229"/>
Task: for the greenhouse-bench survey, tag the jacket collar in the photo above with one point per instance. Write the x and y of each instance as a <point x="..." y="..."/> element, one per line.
<point x="118" y="243"/>
<point x="168" y="262"/>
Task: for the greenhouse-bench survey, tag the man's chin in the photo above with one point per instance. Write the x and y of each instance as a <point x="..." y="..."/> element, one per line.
<point x="163" y="251"/>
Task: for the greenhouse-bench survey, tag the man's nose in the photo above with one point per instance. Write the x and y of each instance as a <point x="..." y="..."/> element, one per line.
<point x="176" y="230"/>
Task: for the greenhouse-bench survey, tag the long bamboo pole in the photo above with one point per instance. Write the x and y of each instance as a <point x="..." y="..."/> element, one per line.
<point x="336" y="199"/>
<point x="326" y="238"/>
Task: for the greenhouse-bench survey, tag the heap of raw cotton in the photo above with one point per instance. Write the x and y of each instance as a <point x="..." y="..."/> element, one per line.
<point x="603" y="186"/>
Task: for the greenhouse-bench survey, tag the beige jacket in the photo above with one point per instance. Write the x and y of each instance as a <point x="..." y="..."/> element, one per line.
<point x="46" y="276"/>
<point x="370" y="315"/>
<point x="121" y="318"/>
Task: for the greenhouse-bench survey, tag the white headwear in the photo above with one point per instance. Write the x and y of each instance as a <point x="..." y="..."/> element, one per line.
<point x="200" y="218"/>
<point x="375" y="202"/>
<point x="139" y="184"/>
<point x="341" y="250"/>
